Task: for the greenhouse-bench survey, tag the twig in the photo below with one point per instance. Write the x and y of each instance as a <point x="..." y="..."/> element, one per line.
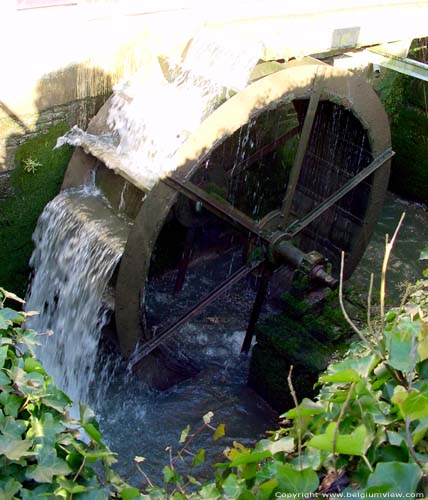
<point x="342" y="306"/>
<point x="299" y="416"/>
<point x="369" y="307"/>
<point x="339" y="420"/>
<point x="388" y="249"/>
<point x="146" y="477"/>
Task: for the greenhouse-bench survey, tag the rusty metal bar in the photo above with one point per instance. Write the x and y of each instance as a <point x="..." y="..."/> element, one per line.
<point x="257" y="306"/>
<point x="223" y="210"/>
<point x="149" y="346"/>
<point x="296" y="227"/>
<point x="303" y="144"/>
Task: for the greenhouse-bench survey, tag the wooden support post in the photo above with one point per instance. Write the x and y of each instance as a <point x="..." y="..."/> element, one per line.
<point x="303" y="144"/>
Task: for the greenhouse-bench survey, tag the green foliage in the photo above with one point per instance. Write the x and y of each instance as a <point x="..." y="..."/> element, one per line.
<point x="406" y="101"/>
<point x="365" y="433"/>
<point x="41" y="448"/>
<point x="36" y="180"/>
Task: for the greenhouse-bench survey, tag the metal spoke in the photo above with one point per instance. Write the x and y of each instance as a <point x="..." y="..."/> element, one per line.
<point x="149" y="346"/>
<point x="296" y="227"/>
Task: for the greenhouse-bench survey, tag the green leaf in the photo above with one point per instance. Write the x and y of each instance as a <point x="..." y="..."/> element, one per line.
<point x="285" y="444"/>
<point x="184" y="434"/>
<point x="362" y="366"/>
<point x="400" y="341"/>
<point x="296" y="481"/>
<point x="3" y="355"/>
<point x="231" y="487"/>
<point x="15" y="449"/>
<point x="8" y="488"/>
<point x="311" y="459"/>
<point x="250" y="457"/>
<point x="355" y="443"/>
<point x="71" y="486"/>
<point x="307" y="408"/>
<point x="130" y="493"/>
<point x="4" y="379"/>
<point x="11" y="296"/>
<point x="33" y="365"/>
<point x="267" y="488"/>
<point x="424" y="254"/>
<point x="169" y="474"/>
<point x="48" y="465"/>
<point x="11" y="403"/>
<point x="219" y="432"/>
<point x="56" y="399"/>
<point x="11" y="316"/>
<point x="394" y="477"/>
<point x="45" y="430"/>
<point x="209" y="492"/>
<point x="344" y="376"/>
<point x="199" y="458"/>
<point x="415" y="406"/>
<point x="93" y="433"/>
<point x="12" y="428"/>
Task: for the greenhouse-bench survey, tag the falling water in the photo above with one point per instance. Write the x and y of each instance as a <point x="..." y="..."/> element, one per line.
<point x="78" y="243"/>
<point x="151" y="115"/>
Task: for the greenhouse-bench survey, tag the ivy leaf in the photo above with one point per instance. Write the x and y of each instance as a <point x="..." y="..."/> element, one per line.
<point x="184" y="434"/>
<point x="209" y="492"/>
<point x="3" y="355"/>
<point x="231" y="487"/>
<point x="12" y="296"/>
<point x="362" y="366"/>
<point x="400" y="341"/>
<point x="344" y="376"/>
<point x="296" y="481"/>
<point x="394" y="477"/>
<point x="4" y="379"/>
<point x="219" y="432"/>
<point x="285" y="444"/>
<point x="15" y="449"/>
<point x="48" y="465"/>
<point x="8" y="488"/>
<point x="169" y="474"/>
<point x="45" y="430"/>
<point x="11" y="403"/>
<point x="250" y="458"/>
<point x="307" y="408"/>
<point x="199" y="458"/>
<point x="130" y="493"/>
<point x="424" y="254"/>
<point x="8" y="317"/>
<point x="33" y="365"/>
<point x="267" y="488"/>
<point x="41" y="492"/>
<point x="355" y="443"/>
<point x="71" y="486"/>
<point x="415" y="406"/>
<point x="56" y="399"/>
<point x="12" y="428"/>
<point x="93" y="433"/>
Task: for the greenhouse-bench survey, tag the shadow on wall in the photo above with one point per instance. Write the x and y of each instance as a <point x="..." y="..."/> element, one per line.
<point x="34" y="170"/>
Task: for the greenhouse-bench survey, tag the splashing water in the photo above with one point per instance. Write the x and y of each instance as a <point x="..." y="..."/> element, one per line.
<point x="150" y="117"/>
<point x="78" y="243"/>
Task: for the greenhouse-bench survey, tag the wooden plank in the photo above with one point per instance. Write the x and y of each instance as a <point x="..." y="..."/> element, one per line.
<point x="303" y="144"/>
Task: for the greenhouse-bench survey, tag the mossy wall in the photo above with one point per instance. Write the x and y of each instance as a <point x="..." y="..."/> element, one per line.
<point x="301" y="336"/>
<point x="31" y="191"/>
<point x="406" y="102"/>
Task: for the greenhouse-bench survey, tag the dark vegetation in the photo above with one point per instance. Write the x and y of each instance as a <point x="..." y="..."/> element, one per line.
<point x="35" y="181"/>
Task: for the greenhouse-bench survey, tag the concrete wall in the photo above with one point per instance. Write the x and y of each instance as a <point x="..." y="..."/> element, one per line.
<point x="59" y="62"/>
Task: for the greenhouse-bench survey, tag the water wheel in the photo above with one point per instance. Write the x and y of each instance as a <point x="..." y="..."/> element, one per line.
<point x="296" y="162"/>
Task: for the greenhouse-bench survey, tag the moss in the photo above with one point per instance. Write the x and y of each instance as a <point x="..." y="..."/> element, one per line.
<point x="409" y="176"/>
<point x="406" y="101"/>
<point x="32" y="191"/>
<point x="302" y="336"/>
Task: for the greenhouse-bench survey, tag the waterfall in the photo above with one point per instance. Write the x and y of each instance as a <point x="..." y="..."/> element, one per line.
<point x="151" y="114"/>
<point x="78" y="242"/>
